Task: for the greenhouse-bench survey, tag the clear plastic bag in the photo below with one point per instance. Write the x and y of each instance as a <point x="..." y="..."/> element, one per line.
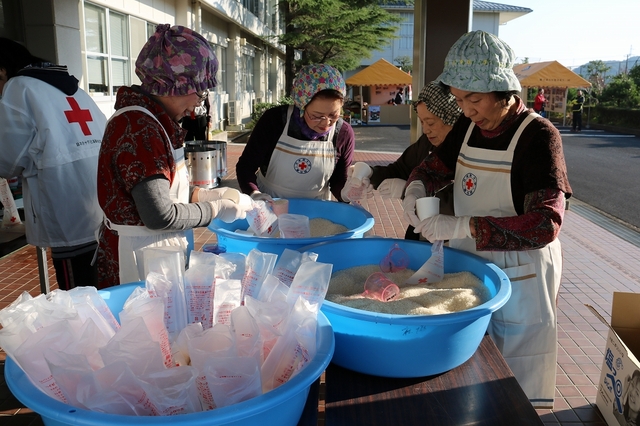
<point x="294" y="226"/>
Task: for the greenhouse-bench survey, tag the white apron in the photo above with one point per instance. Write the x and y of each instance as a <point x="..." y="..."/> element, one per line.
<point x="132" y="238"/>
<point x="525" y="329"/>
<point x="299" y="168"/>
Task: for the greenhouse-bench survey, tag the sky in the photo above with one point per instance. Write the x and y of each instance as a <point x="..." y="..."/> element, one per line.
<point x="574" y="32"/>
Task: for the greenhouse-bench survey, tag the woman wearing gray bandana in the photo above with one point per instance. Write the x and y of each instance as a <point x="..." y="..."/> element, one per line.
<point x="509" y="197"/>
<point x="437" y="111"/>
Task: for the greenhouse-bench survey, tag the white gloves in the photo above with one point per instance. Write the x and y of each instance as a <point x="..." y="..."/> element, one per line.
<point x="210" y="194"/>
<point x="443" y="227"/>
<point x="260" y="196"/>
<point x="414" y="191"/>
<point x="392" y="188"/>
<point x="228" y="211"/>
<point x="355" y="189"/>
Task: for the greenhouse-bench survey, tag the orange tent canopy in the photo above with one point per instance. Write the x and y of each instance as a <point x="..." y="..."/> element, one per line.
<point x="380" y="73"/>
<point x="548" y="74"/>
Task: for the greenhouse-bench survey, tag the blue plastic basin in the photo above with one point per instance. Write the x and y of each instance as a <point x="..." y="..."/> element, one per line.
<point x="281" y="406"/>
<point x="356" y="219"/>
<point x="408" y="345"/>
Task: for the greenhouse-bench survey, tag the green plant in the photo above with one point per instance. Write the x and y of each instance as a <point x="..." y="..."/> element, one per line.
<point x="261" y="107"/>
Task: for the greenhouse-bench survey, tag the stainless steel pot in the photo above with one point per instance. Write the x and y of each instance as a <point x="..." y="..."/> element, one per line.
<point x="202" y="163"/>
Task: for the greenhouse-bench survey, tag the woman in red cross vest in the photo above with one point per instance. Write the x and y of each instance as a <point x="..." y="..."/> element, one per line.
<point x="50" y="135"/>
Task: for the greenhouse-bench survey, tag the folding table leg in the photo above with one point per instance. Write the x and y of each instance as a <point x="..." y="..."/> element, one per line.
<point x="41" y="253"/>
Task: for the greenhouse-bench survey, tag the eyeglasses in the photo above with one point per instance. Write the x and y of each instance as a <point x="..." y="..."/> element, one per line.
<point x="319" y="118"/>
<point x="202" y="95"/>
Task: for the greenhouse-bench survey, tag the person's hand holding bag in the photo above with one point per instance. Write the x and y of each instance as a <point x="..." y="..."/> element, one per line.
<point x="228" y="211"/>
<point x="442" y="227"/>
<point x="414" y="191"/>
<point x="392" y="188"/>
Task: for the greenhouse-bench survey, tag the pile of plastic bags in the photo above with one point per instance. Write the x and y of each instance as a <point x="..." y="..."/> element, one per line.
<point x="227" y="329"/>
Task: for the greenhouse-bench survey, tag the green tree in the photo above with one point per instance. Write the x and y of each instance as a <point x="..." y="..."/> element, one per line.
<point x="634" y="74"/>
<point x="405" y="63"/>
<point x="336" y="32"/>
<point x="622" y="92"/>
<point x="595" y="73"/>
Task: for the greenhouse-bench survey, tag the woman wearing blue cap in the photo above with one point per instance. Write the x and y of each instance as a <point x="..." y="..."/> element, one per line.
<point x="302" y="150"/>
<point x="509" y="197"/>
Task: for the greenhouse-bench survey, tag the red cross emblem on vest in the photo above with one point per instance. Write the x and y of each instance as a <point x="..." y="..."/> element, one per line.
<point x="77" y="115"/>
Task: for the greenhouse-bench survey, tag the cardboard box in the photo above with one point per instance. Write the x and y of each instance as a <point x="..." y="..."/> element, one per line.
<point x="620" y="374"/>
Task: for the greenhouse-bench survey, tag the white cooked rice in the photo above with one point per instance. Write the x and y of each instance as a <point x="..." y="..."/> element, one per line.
<point x="319" y="227"/>
<point x="456" y="292"/>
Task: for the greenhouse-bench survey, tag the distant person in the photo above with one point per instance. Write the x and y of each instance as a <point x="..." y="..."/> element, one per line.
<point x="539" y="103"/>
<point x="576" y="108"/>
<point x="50" y="135"/>
<point x="399" y="99"/>
<point x="197" y="122"/>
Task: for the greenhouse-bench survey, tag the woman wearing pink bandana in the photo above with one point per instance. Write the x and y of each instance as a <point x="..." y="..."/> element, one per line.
<point x="302" y="150"/>
<point x="143" y="184"/>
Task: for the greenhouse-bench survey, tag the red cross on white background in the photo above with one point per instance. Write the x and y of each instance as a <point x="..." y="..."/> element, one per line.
<point x="77" y="115"/>
<point x="469" y="184"/>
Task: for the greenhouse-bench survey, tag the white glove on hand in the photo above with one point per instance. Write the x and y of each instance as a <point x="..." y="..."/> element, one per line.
<point x="355" y="189"/>
<point x="392" y="188"/>
<point x="443" y="227"/>
<point x="210" y="194"/>
<point x="260" y="196"/>
<point x="228" y="211"/>
<point x="414" y="191"/>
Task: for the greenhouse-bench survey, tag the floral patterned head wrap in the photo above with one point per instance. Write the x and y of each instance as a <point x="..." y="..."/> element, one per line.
<point x="437" y="98"/>
<point x="176" y="61"/>
<point x="480" y="62"/>
<point x="312" y="79"/>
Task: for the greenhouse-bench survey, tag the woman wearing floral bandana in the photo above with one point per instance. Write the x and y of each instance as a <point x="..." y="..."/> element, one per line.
<point x="143" y="184"/>
<point x="509" y="198"/>
<point x="301" y="150"/>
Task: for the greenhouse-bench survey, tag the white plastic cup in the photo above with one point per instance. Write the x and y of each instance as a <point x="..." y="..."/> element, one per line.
<point x="427" y="207"/>
<point x="381" y="288"/>
<point x="361" y="170"/>
<point x="237" y="197"/>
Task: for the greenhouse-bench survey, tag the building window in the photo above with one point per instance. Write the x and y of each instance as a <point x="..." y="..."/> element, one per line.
<point x="112" y="42"/>
<point x="248" y="73"/>
<point x="221" y="53"/>
<point x="406" y="31"/>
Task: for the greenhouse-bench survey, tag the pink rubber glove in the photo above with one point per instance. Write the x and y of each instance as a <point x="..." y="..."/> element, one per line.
<point x="443" y="227"/>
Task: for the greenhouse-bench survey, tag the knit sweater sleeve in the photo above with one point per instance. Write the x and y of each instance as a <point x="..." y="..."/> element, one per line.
<point x="537" y="227"/>
<point x="157" y="211"/>
<point x="345" y="147"/>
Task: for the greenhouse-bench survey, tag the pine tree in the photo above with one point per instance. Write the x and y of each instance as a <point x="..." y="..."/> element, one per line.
<point x="335" y="32"/>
